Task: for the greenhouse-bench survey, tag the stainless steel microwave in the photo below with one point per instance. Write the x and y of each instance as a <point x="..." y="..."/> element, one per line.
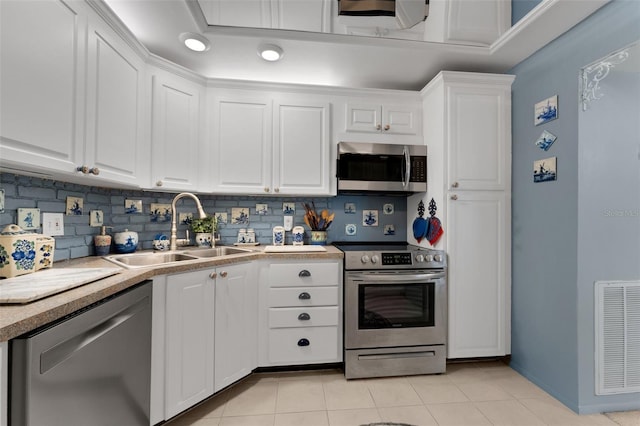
<point x="378" y="167"/>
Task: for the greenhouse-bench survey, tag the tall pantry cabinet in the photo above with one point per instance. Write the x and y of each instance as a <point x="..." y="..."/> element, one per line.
<point x="467" y="130"/>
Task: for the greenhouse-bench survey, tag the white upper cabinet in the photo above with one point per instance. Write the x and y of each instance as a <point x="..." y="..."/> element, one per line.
<point x="301" y="150"/>
<point x="262" y="146"/>
<point x="241" y="145"/>
<point x="479" y="135"/>
<point x="72" y="95"/>
<point x="467" y="21"/>
<point x="471" y="114"/>
<point x="377" y="118"/>
<point x="308" y="15"/>
<point x="41" y="84"/>
<point x="176" y="132"/>
<point x="115" y="137"/>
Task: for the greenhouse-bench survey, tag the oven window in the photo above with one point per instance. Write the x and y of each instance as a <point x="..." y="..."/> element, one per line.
<point x="395" y="305"/>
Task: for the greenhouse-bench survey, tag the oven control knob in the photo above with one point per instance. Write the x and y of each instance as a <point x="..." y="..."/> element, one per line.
<point x="429" y="258"/>
<point x="374" y="259"/>
<point x="364" y="259"/>
<point x="438" y="258"/>
<point x="419" y="258"/>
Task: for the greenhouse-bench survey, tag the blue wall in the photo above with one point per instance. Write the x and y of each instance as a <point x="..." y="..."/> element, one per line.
<point x="50" y="197"/>
<point x="555" y="254"/>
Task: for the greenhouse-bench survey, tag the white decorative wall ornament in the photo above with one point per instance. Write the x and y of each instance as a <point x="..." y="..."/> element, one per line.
<point x="593" y="74"/>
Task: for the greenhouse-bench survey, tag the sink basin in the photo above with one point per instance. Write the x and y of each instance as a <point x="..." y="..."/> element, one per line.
<point x="216" y="251"/>
<point x="148" y="259"/>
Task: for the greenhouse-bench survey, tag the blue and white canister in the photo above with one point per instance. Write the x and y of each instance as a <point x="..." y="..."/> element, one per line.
<point x="278" y="235"/>
<point x="298" y="235"/>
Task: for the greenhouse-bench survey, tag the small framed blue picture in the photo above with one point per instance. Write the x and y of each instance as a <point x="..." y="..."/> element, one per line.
<point x="546" y="110"/>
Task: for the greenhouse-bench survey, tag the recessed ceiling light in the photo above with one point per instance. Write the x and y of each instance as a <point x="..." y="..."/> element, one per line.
<point x="270" y="52"/>
<point x="195" y="42"/>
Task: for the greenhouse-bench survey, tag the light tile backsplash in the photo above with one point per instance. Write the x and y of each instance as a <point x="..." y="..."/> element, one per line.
<point x="50" y="197"/>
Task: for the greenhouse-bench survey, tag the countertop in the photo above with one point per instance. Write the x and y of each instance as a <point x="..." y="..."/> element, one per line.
<point x="19" y="319"/>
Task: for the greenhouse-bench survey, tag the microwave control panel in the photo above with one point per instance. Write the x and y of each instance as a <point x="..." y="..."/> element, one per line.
<point x="418" y="169"/>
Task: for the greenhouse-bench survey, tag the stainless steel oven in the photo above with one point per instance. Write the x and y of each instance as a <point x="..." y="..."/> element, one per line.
<point x="395" y="310"/>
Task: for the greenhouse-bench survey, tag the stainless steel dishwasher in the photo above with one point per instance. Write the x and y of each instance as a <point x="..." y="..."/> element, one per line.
<point x="91" y="368"/>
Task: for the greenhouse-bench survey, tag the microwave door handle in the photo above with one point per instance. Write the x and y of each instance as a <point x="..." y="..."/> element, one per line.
<point x="407" y="166"/>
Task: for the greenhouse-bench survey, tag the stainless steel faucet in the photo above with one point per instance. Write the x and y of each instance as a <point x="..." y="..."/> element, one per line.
<point x="173" y="242"/>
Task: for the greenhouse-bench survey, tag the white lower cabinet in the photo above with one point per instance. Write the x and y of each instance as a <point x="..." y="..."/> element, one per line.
<point x="236" y="315"/>
<point x="189" y="342"/>
<point x="204" y="335"/>
<point x="479" y="274"/>
<point x="300" y="319"/>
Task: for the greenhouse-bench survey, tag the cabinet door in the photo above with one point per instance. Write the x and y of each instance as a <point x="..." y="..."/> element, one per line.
<point x="478" y="235"/>
<point x="400" y="120"/>
<point x="241" y="155"/>
<point x="175" y="133"/>
<point x="236" y="311"/>
<point x="115" y="106"/>
<point x="41" y="86"/>
<point x="301" y="151"/>
<point x="479" y="128"/>
<point x="390" y="119"/>
<point x="309" y="15"/>
<point x="364" y="118"/>
<point x="189" y="340"/>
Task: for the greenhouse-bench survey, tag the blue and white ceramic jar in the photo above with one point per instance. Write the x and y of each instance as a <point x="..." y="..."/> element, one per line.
<point x="278" y="235"/>
<point x="298" y="235"/>
<point x="126" y="241"/>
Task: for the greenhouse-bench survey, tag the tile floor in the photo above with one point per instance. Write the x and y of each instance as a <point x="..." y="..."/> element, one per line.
<point x="481" y="393"/>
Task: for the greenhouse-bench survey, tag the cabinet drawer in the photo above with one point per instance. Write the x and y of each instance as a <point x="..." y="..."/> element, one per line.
<point x="286" y="345"/>
<point x="303" y="317"/>
<point x="304" y="274"/>
<point x="303" y="296"/>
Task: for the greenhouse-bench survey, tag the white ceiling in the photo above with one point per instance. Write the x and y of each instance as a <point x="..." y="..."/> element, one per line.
<point x="336" y="60"/>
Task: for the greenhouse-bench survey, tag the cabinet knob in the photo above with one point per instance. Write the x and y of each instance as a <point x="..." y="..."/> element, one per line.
<point x="266" y="189"/>
<point x="94" y="171"/>
<point x="213" y="275"/>
<point x="223" y="274"/>
<point x="84" y="169"/>
<point x="378" y="127"/>
<point x="304" y="273"/>
<point x="159" y="183"/>
<point x="276" y="189"/>
<point x="304" y="316"/>
<point x="454" y="185"/>
<point x="304" y="296"/>
<point x="387" y="127"/>
<point x="303" y="342"/>
<point x="454" y="197"/>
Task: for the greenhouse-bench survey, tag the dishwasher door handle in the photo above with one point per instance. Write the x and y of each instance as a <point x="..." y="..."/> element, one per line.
<point x="64" y="350"/>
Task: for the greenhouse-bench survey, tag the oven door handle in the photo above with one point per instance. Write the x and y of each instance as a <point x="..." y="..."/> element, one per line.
<point x="396" y="277"/>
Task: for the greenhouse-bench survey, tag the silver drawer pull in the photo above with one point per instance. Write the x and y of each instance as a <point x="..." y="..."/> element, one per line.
<point x="304" y="273"/>
<point x="304" y="296"/>
<point x="304" y="316"/>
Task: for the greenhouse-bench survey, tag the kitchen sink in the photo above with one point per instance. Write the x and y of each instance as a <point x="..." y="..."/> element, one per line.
<point x="142" y="260"/>
<point x="216" y="251"/>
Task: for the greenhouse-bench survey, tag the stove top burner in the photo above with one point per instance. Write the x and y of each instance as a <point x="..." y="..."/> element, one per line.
<point x="390" y="256"/>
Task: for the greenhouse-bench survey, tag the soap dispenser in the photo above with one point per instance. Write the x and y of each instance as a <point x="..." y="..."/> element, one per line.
<point x="102" y="242"/>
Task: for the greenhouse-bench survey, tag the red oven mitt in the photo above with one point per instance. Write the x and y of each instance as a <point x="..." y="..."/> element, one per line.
<point x="434" y="230"/>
